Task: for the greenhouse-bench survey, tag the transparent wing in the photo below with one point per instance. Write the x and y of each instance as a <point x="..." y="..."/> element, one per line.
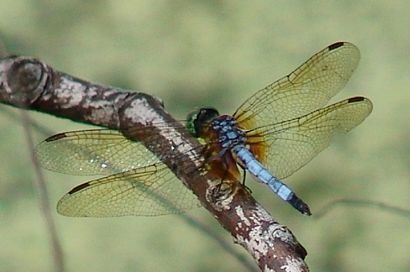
<point x="306" y="89"/>
<point x="92" y="152"/>
<point x="289" y="145"/>
<point x="148" y="191"/>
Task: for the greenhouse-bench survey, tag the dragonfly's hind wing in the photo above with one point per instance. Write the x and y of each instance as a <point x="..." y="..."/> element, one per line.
<point x="287" y="146"/>
<point x="148" y="191"/>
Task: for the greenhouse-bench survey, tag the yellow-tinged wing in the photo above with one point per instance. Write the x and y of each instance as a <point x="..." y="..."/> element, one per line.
<point x="151" y="190"/>
<point x="306" y="89"/>
<point x="289" y="145"/>
<point x="92" y="152"/>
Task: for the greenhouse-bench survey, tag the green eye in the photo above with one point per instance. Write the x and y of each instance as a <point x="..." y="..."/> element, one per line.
<point x="198" y="119"/>
<point x="190" y="123"/>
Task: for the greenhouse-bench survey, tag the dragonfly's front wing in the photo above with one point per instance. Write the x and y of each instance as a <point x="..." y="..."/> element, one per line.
<point x="92" y="152"/>
<point x="304" y="90"/>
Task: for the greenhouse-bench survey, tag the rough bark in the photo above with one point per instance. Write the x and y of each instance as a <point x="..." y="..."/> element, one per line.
<point x="29" y="83"/>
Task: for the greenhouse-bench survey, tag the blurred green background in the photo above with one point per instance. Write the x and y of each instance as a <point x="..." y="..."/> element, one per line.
<point x="196" y="53"/>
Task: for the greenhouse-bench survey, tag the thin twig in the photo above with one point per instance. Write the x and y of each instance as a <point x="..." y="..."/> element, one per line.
<point x="361" y="202"/>
<point x="40" y="185"/>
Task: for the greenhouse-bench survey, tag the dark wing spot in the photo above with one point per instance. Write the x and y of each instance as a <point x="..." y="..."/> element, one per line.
<point x="355" y="99"/>
<point x="56" y="137"/>
<point x="79" y="188"/>
<point x="335" y="45"/>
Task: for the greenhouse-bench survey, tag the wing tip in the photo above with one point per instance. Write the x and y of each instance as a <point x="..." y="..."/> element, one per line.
<point x="361" y="99"/>
<point x="67" y="207"/>
<point x="56" y="137"/>
<point x="355" y="99"/>
<point x="79" y="188"/>
<point x="335" y="45"/>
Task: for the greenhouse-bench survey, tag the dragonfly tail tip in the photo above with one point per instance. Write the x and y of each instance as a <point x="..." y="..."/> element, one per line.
<point x="299" y="205"/>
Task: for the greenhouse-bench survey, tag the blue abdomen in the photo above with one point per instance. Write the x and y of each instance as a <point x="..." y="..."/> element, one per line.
<point x="261" y="173"/>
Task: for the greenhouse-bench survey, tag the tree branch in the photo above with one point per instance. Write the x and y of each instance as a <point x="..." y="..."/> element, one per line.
<point x="29" y="83"/>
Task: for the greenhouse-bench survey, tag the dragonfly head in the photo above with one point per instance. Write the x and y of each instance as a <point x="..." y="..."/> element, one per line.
<point x="197" y="120"/>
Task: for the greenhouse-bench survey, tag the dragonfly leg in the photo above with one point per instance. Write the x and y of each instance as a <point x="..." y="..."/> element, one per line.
<point x="244" y="179"/>
<point x="244" y="175"/>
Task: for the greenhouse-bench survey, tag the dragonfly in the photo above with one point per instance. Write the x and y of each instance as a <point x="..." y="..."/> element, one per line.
<point x="275" y="132"/>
